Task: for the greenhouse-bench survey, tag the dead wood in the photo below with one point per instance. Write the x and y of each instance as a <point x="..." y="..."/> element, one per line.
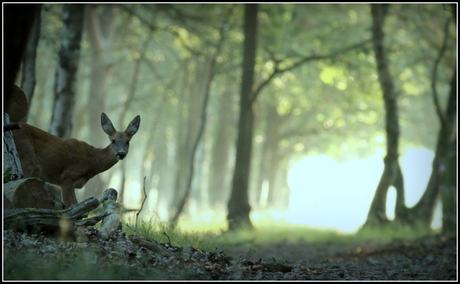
<point x="47" y="220"/>
<point x="150" y="245"/>
<point x="112" y="211"/>
<point x="33" y="193"/>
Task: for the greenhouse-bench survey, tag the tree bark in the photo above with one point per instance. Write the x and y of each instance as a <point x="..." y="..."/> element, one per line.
<point x="390" y="176"/>
<point x="66" y="72"/>
<point x="238" y="204"/>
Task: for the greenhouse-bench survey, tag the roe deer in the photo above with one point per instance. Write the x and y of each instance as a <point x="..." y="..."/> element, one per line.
<point x="70" y="163"/>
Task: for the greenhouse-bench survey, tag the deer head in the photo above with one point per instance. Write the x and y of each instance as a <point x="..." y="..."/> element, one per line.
<point x="120" y="139"/>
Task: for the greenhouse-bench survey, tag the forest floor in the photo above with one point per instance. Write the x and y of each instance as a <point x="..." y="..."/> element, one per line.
<point x="37" y="257"/>
<point x="428" y="258"/>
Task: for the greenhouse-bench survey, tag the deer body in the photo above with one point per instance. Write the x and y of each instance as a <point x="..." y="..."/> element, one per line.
<point x="70" y="163"/>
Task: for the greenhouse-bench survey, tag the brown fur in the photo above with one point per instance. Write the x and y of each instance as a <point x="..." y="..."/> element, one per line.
<point x="69" y="163"/>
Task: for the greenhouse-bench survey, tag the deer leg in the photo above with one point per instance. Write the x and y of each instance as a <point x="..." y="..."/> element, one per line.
<point x="68" y="196"/>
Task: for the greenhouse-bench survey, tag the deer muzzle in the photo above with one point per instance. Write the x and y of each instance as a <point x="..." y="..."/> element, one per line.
<point x="120" y="155"/>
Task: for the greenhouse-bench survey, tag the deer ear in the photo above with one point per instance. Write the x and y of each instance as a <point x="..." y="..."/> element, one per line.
<point x="107" y="125"/>
<point x="133" y="126"/>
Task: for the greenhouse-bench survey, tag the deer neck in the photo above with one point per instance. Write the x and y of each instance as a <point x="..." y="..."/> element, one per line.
<point x="105" y="159"/>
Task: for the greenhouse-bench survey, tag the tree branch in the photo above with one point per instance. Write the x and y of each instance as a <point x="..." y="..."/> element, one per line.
<point x="303" y="60"/>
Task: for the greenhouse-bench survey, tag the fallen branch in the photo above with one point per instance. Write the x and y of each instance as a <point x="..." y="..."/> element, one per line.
<point x="156" y="248"/>
<point x="46" y="220"/>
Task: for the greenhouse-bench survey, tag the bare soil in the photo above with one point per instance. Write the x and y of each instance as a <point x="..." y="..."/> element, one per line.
<point x="38" y="257"/>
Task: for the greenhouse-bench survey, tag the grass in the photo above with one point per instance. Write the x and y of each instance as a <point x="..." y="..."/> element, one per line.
<point x="209" y="232"/>
<point x="162" y="233"/>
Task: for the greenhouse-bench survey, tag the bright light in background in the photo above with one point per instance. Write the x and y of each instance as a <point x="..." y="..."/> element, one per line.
<point x="327" y="194"/>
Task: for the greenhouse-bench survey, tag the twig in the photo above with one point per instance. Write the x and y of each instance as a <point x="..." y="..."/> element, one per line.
<point x="151" y="246"/>
<point x="142" y="205"/>
<point x="169" y="240"/>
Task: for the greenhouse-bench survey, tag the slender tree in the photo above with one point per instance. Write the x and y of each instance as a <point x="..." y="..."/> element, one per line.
<point x="392" y="171"/>
<point x="66" y="72"/>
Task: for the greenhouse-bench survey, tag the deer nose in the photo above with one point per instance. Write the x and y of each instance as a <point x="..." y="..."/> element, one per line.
<point x="120" y="155"/>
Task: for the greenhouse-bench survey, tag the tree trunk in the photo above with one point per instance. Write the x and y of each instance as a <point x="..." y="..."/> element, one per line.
<point x="424" y="209"/>
<point x="18" y="21"/>
<point x="30" y="55"/>
<point x="66" y="72"/>
<point x="377" y="211"/>
<point x="238" y="204"/>
<point x="449" y="192"/>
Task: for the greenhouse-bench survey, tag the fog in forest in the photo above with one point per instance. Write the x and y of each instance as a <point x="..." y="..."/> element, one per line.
<point x="318" y="134"/>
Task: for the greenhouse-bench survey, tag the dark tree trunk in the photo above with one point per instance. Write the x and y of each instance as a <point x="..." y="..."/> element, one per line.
<point x="390" y="176"/>
<point x="66" y="72"/>
<point x="238" y="204"/>
<point x="449" y="180"/>
<point x="424" y="209"/>
<point x="449" y="192"/>
<point x="422" y="213"/>
<point x="18" y="21"/>
<point x="28" y="63"/>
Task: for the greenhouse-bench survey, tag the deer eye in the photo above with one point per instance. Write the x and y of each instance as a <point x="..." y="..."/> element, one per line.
<point x="127" y="143"/>
<point x="113" y="141"/>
